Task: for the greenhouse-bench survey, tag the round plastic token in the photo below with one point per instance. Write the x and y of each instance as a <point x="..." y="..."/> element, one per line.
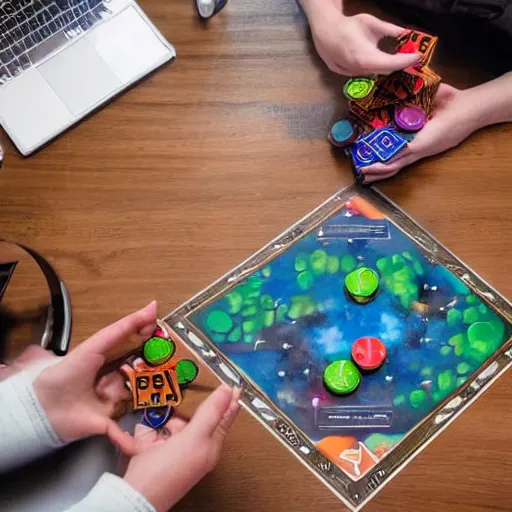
<point x="358" y="88"/>
<point x="186" y="371"/>
<point x="369" y="353"/>
<point x="158" y="350"/>
<point x="361" y="284"/>
<point x="341" y="377"/>
<point x="410" y="118"/>
<point x="342" y="133"/>
<point x="157" y="418"/>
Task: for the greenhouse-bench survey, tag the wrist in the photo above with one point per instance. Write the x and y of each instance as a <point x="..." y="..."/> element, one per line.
<point x="319" y="11"/>
<point x="491" y="102"/>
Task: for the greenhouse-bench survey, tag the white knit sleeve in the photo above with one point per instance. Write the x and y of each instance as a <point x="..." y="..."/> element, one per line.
<point x="113" y="494"/>
<point x="25" y="431"/>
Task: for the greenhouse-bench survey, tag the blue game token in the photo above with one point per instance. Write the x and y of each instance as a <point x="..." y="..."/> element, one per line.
<point x="157" y="417"/>
<point x="362" y="154"/>
<point x="385" y="143"/>
<point x="342" y="133"/>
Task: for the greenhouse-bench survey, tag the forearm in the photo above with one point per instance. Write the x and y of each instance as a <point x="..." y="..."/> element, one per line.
<point x="492" y="101"/>
<point x="314" y="8"/>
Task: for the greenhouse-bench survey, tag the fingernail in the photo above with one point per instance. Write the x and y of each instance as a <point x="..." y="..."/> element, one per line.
<point x="150" y="304"/>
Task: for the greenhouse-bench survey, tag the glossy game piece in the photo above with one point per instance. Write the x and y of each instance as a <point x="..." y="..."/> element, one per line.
<point x="385" y="143"/>
<point x="341" y="377"/>
<point x="157" y="418"/>
<point x="187" y="371"/>
<point x="342" y="133"/>
<point x="157" y="381"/>
<point x="158" y="350"/>
<point x="362" y="284"/>
<point x="369" y="353"/>
<point x="410" y="118"/>
<point x="418" y="42"/>
<point x="361" y="156"/>
<point x="358" y="88"/>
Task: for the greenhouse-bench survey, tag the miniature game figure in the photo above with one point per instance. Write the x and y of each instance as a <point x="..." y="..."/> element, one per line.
<point x="156" y="380"/>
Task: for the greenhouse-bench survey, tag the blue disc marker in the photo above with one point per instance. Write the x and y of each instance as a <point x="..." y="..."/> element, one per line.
<point x="156" y="418"/>
<point x="342" y="133"/>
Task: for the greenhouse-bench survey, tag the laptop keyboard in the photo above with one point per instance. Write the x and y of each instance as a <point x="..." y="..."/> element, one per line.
<point x="32" y="29"/>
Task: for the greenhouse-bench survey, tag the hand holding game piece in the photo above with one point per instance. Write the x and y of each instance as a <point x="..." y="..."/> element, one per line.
<point x="171" y="465"/>
<point x="349" y="44"/>
<point x="77" y="404"/>
<point x="452" y="122"/>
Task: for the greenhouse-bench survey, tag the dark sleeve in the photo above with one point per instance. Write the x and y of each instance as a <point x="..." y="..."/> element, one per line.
<point x="482" y="27"/>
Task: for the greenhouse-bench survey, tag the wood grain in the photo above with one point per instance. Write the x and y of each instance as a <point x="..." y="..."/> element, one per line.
<point x="193" y="170"/>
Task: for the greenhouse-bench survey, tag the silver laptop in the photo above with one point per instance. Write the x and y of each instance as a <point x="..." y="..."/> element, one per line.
<point x="62" y="59"/>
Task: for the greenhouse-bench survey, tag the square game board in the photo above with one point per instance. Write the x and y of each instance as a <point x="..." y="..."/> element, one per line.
<point x="274" y="323"/>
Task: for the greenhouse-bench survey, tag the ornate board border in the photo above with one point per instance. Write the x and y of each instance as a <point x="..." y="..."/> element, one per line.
<point x="355" y="494"/>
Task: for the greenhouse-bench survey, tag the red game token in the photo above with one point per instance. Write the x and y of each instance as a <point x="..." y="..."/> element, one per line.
<point x="369" y="353"/>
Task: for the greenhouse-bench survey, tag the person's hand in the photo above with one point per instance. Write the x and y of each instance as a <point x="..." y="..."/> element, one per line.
<point x="77" y="403"/>
<point x="349" y="44"/>
<point x="454" y="119"/>
<point x="170" y="464"/>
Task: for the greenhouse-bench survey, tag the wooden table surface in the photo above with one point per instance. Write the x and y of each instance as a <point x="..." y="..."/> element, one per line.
<point x="193" y="170"/>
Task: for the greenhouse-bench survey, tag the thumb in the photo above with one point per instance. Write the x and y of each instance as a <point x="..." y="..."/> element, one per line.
<point x="385" y="29"/>
<point x="210" y="414"/>
<point x="123" y="440"/>
<point x="385" y="63"/>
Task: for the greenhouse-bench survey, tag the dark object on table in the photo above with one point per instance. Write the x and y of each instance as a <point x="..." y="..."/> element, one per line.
<point x="57" y="331"/>
<point x="209" y="8"/>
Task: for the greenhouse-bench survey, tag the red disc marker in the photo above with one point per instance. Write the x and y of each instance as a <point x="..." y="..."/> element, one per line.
<point x="369" y="353"/>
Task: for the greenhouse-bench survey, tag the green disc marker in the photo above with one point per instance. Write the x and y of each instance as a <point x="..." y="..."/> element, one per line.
<point x="158" y="350"/>
<point x="361" y="284"/>
<point x="341" y="377"/>
<point x="358" y="88"/>
<point x="186" y="371"/>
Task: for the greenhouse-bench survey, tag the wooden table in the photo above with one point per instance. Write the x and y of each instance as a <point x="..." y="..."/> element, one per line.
<point x="193" y="170"/>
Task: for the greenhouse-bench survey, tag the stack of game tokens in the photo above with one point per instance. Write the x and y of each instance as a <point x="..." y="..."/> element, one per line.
<point x="386" y="111"/>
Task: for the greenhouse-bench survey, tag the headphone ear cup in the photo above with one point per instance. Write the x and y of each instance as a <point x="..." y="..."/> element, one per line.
<point x="57" y="330"/>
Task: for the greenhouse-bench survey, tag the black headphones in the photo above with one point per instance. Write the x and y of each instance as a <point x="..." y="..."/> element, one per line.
<point x="57" y="329"/>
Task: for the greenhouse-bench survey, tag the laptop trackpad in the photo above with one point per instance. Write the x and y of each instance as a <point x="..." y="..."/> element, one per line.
<point x="80" y="77"/>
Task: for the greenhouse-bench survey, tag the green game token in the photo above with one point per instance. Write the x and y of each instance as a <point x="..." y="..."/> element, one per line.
<point x="358" y="88"/>
<point x="186" y="371"/>
<point x="158" y="350"/>
<point x="361" y="284"/>
<point x="341" y="377"/>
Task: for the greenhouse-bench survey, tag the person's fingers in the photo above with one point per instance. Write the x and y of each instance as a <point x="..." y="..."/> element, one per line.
<point x="383" y="63"/>
<point x="127" y="443"/>
<point x="211" y="412"/>
<point x="141" y="321"/>
<point x="111" y="388"/>
<point x="229" y="417"/>
<point x="176" y="424"/>
<point x="371" y="178"/>
<point x="384" y="28"/>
